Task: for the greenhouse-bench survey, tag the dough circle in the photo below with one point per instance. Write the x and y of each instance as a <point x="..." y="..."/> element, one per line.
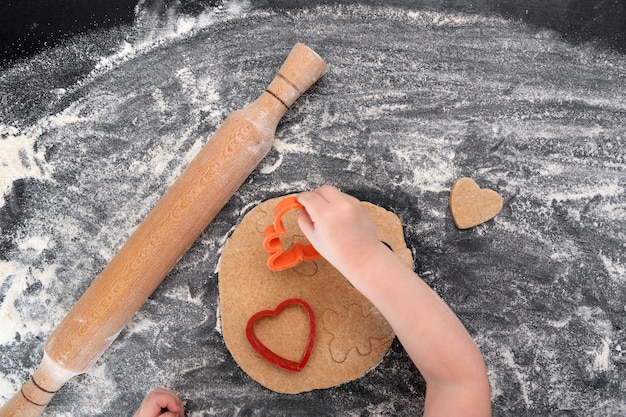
<point x="351" y="336"/>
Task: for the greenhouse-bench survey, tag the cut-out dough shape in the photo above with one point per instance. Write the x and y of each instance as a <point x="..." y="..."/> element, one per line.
<point x="373" y="327"/>
<point x="471" y="205"/>
<point x="268" y="354"/>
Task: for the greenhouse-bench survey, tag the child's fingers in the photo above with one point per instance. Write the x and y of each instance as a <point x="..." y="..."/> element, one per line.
<point x="305" y="223"/>
<point x="328" y="192"/>
<point x="167" y="399"/>
<point x="313" y="203"/>
<point x="320" y="197"/>
<point x="158" y="400"/>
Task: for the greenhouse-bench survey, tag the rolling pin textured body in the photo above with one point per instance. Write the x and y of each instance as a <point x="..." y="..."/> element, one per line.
<point x="165" y="234"/>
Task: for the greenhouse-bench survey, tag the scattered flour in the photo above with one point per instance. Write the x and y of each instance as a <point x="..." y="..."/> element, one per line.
<point x="18" y="158"/>
<point x="34" y="243"/>
<point x="524" y="385"/>
<point x="218" y="319"/>
<point x="154" y="30"/>
<point x="601" y="358"/>
<point x="7" y="386"/>
<point x="92" y="389"/>
<point x="587" y="193"/>
<point x="616" y="270"/>
<point x="18" y="277"/>
<point x="284" y="148"/>
<point x="157" y="94"/>
<point x="200" y="91"/>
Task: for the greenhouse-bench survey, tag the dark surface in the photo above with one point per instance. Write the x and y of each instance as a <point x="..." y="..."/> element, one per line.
<point x="30" y="26"/>
<point x="93" y="131"/>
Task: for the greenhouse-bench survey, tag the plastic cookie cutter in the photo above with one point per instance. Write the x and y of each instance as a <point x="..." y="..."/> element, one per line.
<point x="281" y="259"/>
<point x="271" y="356"/>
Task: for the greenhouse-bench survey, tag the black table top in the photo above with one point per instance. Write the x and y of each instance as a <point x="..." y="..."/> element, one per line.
<point x="96" y="126"/>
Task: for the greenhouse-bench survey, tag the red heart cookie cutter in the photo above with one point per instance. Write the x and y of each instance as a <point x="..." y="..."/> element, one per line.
<point x="279" y="259"/>
<point x="268" y="354"/>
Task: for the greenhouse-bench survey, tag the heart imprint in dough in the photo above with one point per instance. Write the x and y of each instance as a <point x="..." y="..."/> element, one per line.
<point x="471" y="205"/>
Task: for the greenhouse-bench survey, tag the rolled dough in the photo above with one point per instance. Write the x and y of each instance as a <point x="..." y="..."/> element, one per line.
<point x="351" y="335"/>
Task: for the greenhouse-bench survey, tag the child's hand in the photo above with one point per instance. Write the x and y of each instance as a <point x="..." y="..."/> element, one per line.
<point x="161" y="402"/>
<point x="339" y="228"/>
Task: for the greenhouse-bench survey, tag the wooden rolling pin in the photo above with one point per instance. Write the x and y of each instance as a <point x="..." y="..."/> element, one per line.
<point x="203" y="188"/>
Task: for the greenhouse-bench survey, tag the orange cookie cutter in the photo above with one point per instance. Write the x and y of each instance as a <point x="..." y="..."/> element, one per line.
<point x="280" y="259"/>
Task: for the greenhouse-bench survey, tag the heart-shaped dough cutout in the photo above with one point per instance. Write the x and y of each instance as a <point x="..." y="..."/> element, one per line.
<point x="267" y="353"/>
<point x="472" y="205"/>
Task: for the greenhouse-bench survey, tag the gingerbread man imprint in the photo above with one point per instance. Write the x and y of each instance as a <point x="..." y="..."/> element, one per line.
<point x="374" y="326"/>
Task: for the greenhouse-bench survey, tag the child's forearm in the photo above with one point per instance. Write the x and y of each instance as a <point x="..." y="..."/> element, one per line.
<point x="341" y="230"/>
<point x="430" y="332"/>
